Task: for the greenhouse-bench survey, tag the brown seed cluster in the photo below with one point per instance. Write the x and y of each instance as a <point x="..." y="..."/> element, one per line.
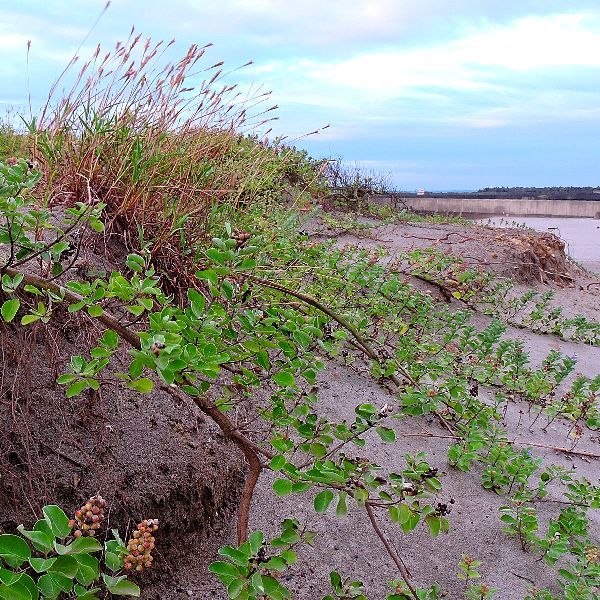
<point x="141" y="545"/>
<point x="89" y="517"/>
<point x="241" y="237"/>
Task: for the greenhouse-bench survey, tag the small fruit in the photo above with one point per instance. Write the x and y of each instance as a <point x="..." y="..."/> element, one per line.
<point x="141" y="545"/>
<point x="89" y="517"/>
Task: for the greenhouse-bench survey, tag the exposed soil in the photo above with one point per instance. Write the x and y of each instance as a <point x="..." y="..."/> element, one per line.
<point x="147" y="455"/>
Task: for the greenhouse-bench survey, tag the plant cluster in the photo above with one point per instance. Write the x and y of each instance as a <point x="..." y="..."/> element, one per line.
<point x="140" y="546"/>
<point x="481" y="290"/>
<point x="52" y="561"/>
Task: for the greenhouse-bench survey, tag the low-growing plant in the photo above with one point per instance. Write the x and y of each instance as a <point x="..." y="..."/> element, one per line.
<point x="54" y="559"/>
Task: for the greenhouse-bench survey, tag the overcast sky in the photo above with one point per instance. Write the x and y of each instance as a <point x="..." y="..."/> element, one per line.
<point x="442" y="94"/>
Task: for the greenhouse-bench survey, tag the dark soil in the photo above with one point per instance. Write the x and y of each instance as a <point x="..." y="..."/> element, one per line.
<point x="147" y="455"/>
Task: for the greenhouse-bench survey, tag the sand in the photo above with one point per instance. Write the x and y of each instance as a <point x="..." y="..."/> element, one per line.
<point x="348" y="544"/>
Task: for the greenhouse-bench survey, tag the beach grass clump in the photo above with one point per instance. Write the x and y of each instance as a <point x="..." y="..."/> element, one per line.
<point x="164" y="144"/>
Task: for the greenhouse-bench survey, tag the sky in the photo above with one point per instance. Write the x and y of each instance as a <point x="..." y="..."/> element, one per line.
<point x="434" y="94"/>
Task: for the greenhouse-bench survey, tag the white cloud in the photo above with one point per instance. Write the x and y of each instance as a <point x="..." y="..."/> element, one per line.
<point x="468" y="63"/>
<point x="477" y="81"/>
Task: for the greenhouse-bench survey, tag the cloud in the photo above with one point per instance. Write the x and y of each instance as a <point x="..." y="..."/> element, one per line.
<point x="414" y="83"/>
<point x="338" y="25"/>
<point x="468" y="63"/>
<point x="479" y="81"/>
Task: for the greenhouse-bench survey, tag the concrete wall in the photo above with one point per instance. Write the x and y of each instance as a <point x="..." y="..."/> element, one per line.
<point x="517" y="207"/>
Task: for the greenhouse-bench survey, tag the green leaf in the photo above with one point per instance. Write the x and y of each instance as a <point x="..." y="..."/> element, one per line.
<point x="88" y="568"/>
<point x="57" y="520"/>
<point x="302" y="338"/>
<point x="342" y="505"/>
<point x="147" y="303"/>
<point x="386" y="434"/>
<point x="236" y="556"/>
<point x="16" y="591"/>
<point x="273" y="588"/>
<point x="143" y="385"/>
<point x="300" y="486"/>
<point x="289" y="556"/>
<point x="75" y="307"/>
<point x="434" y="524"/>
<point x="208" y="275"/>
<point x="14" y="550"/>
<point x="77" y="388"/>
<point x="257" y="583"/>
<point x="120" y="586"/>
<point x="323" y="500"/>
<point x="8" y="577"/>
<point x="83" y="594"/>
<point x="256" y="540"/>
<point x="81" y="545"/>
<point x="278" y="462"/>
<point x="318" y="450"/>
<point x="40" y="540"/>
<point x="411" y="522"/>
<point x="112" y="561"/>
<point x="95" y="311"/>
<point x="27" y="581"/>
<point x="399" y="514"/>
<point x="135" y="309"/>
<point x="40" y="565"/>
<point x="282" y="487"/>
<point x="27" y="319"/>
<point x="235" y="587"/>
<point x="336" y="580"/>
<point x="52" y="584"/>
<point x="9" y="309"/>
<point x="65" y="565"/>
<point x="262" y="359"/>
<point x="221" y="567"/>
<point x="284" y="379"/>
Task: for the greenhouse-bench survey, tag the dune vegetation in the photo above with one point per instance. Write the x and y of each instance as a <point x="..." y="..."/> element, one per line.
<point x="151" y="242"/>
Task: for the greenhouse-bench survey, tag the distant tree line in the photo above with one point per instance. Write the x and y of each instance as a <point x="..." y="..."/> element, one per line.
<point x="551" y="193"/>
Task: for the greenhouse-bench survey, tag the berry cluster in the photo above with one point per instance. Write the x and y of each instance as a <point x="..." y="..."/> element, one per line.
<point x="89" y="517"/>
<point x="241" y="238"/>
<point x="141" y="545"/>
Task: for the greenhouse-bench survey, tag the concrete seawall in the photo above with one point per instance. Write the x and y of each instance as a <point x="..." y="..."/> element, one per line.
<point x="509" y="206"/>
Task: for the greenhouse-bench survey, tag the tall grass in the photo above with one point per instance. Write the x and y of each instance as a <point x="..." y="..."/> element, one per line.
<point x="161" y="143"/>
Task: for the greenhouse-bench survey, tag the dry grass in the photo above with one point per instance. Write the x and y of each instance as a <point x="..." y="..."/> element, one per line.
<point x="161" y="143"/>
